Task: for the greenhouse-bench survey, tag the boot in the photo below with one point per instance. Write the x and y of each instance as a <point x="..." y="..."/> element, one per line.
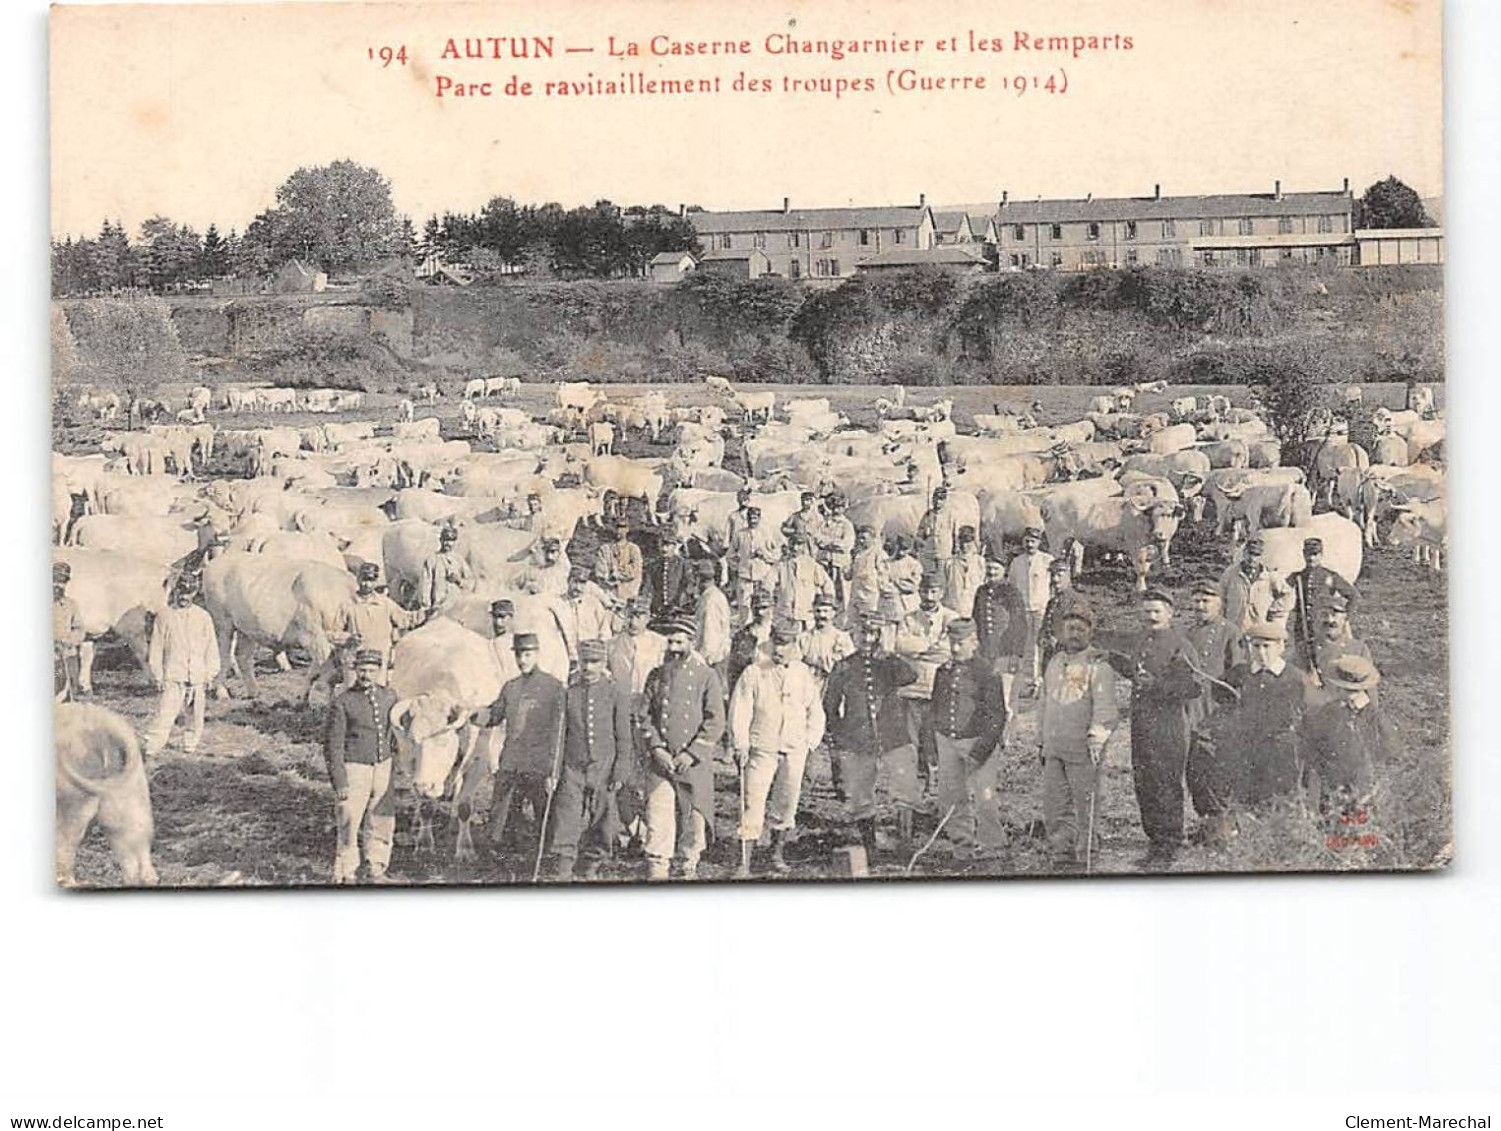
<point x="904" y="825"/>
<point x="868" y="838"/>
<point x="778" y="861"/>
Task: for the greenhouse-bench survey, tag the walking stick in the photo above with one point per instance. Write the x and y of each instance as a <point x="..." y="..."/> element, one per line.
<point x="1094" y="792"/>
<point x="744" y="844"/>
<point x="929" y="842"/>
<point x="557" y="763"/>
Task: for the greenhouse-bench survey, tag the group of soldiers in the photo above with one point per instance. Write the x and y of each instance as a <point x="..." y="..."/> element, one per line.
<point x="906" y="662"/>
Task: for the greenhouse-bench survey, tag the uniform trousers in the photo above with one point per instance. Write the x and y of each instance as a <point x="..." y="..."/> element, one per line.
<point x="859" y="770"/>
<point x="582" y="819"/>
<point x="663" y="831"/>
<point x="1067" y="787"/>
<point x="1158" y="778"/>
<point x="174" y="695"/>
<point x="370" y="804"/>
<point x="971" y="790"/>
<point x="773" y="784"/>
<point x="511" y="791"/>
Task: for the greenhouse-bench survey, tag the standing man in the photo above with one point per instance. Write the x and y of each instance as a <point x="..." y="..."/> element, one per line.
<point x="964" y="574"/>
<point x="531" y="707"/>
<point x="1001" y="624"/>
<point x="776" y="718"/>
<point x="1164" y="704"/>
<point x="587" y="614"/>
<point x="753" y="641"/>
<point x="825" y="644"/>
<point x="617" y="564"/>
<point x="1076" y="712"/>
<point x="868" y="576"/>
<point x="1252" y="593"/>
<point x="597" y="763"/>
<point x="1268" y="723"/>
<point x="805" y="521"/>
<point x="445" y="574"/>
<point x="551" y="575"/>
<point x="502" y="638"/>
<point x="799" y="582"/>
<point x="1064" y="600"/>
<point x="834" y="542"/>
<point x="636" y="652"/>
<point x="1314" y="587"/>
<point x="1030" y="573"/>
<point x="867" y="729"/>
<point x="682" y="727"/>
<point x="374" y="617"/>
<point x="184" y="661"/>
<point x="1335" y="639"/>
<point x="711" y="613"/>
<point x="669" y="581"/>
<point x="1347" y="742"/>
<point x="922" y="639"/>
<point x="67" y="635"/>
<point x="938" y="533"/>
<point x="754" y="553"/>
<point x="1220" y="648"/>
<point x="358" y="746"/>
<point x="965" y="728"/>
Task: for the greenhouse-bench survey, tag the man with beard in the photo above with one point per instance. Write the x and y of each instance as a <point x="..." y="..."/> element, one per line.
<point x="776" y="719"/>
<point x="922" y="639"/>
<point x="681" y="727"/>
<point x="825" y="643"/>
<point x="1164" y="701"/>
<point x="1076" y="713"/>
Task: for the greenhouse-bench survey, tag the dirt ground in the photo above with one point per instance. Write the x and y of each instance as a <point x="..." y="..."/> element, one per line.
<point x="253" y="805"/>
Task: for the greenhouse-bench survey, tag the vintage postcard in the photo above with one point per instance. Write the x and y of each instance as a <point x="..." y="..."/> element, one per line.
<point x="677" y="441"/>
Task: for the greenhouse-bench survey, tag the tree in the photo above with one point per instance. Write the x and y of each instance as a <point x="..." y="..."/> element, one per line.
<point x="1292" y="384"/>
<point x="336" y="217"/>
<point x="213" y="260"/>
<point x="125" y="344"/>
<point x="1391" y="204"/>
<point x="169" y="253"/>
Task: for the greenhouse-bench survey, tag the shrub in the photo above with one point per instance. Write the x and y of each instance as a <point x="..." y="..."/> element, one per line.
<point x="125" y="344"/>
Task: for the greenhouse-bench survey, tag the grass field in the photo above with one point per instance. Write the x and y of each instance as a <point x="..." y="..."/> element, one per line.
<point x="254" y="807"/>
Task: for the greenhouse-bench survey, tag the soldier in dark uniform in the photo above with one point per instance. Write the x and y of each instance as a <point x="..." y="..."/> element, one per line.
<point x="1065" y="599"/>
<point x="597" y="763"/>
<point x="1220" y="648"/>
<point x="1314" y="586"/>
<point x="752" y="641"/>
<point x="866" y="729"/>
<point x="670" y="580"/>
<point x="964" y="731"/>
<point x="1335" y="640"/>
<point x="1165" y="696"/>
<point x="357" y="744"/>
<point x="1265" y="731"/>
<point x="1000" y="622"/>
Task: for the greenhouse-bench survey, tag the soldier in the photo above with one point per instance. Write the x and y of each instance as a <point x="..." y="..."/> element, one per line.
<point x="868" y="577"/>
<point x="1001" y="624"/>
<point x="867" y="729"/>
<point x="799" y="582"/>
<point x="1250" y="591"/>
<point x="336" y="673"/>
<point x="184" y="660"/>
<point x="834" y="541"/>
<point x="1030" y="573"/>
<point x="445" y="574"/>
<point x="1076" y="713"/>
<point x="805" y="521"/>
<point x="964" y="574"/>
<point x="374" y="617"/>
<point x="531" y="707"/>
<point x="358" y="746"/>
<point x="636" y="652"/>
<point x="1313" y="588"/>
<point x="551" y="574"/>
<point x="1335" y="639"/>
<point x="754" y="553"/>
<point x="682" y="727"/>
<point x="1347" y="741"/>
<point x="1267" y="724"/>
<point x="1164" y="702"/>
<point x="922" y="640"/>
<point x="597" y="762"/>
<point x="825" y="644"/>
<point x="67" y="635"/>
<point x="588" y="613"/>
<point x="502" y="639"/>
<point x="938" y="532"/>
<point x="617" y="564"/>
<point x="669" y="581"/>
<point x="1220" y="647"/>
<point x="751" y="642"/>
<point x="1064" y="600"/>
<point x="712" y="617"/>
<point x="776" y="718"/>
<point x="964" y="729"/>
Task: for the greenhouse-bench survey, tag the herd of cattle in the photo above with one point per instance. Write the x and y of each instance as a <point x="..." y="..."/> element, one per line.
<point x="278" y="518"/>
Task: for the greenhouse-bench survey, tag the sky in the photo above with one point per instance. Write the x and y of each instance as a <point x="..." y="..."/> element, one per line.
<point x="199" y="112"/>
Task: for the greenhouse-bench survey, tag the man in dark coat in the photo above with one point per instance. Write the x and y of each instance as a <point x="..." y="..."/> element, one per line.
<point x="597" y="762"/>
<point x="866" y="729"/>
<point x="670" y="582"/>
<point x="1347" y="742"/>
<point x="1000" y="622"/>
<point x="1065" y="600"/>
<point x="1314" y="586"/>
<point x="681" y="729"/>
<point x="1265" y="731"/>
<point x="1335" y="639"/>
<point x="1165" y="696"/>
<point x="1220" y="648"/>
<point x="964" y="731"/>
<point x="357" y="744"/>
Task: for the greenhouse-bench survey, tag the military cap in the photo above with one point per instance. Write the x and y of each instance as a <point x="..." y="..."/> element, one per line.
<point x="1157" y="593"/>
<point x="551" y="543"/>
<point x="1339" y="602"/>
<point x="1060" y="565"/>
<point x="1266" y="630"/>
<point x="622" y="523"/>
<point x="743" y="492"/>
<point x="61" y="571"/>
<point x="836" y="500"/>
<point x="707" y="566"/>
<point x="784" y="632"/>
<point x="674" y="626"/>
<point x="368" y="570"/>
<point x="636" y="605"/>
<point x="670" y="538"/>
<point x="591" y="649"/>
<point x="1032" y="532"/>
<point x="369" y="658"/>
<point x="1353" y="673"/>
<point x="966" y="534"/>
<point x="752" y="510"/>
<point x="1313" y="545"/>
<point x="185" y="583"/>
<point x="1206" y="587"/>
<point x="1079" y="613"/>
<point x="530" y="495"/>
<point x="932" y="581"/>
<point x="962" y="629"/>
<point x="524" y="642"/>
<point x="503" y="607"/>
<point x="761" y="599"/>
<point x="807" y="496"/>
<point x="448" y="534"/>
<point x="874" y="622"/>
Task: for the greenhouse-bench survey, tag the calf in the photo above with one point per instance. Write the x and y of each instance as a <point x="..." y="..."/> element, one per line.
<point x="100" y="776"/>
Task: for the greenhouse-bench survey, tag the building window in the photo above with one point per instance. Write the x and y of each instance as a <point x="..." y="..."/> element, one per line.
<point x="1016" y="261"/>
<point x="1057" y="259"/>
<point x="826" y="240"/>
<point x="1206" y="227"/>
<point x="1130" y="257"/>
<point x="1094" y="259"/>
<point x="1169" y="256"/>
<point x="864" y="237"/>
<point x="834" y="267"/>
<point x="1130" y="229"/>
<point x="794" y="270"/>
<point x="1094" y="231"/>
<point x="1246" y="227"/>
<point x="1206" y="257"/>
<point x="1026" y="260"/>
<point x="1256" y="257"/>
<point x="1055" y="232"/>
<point x="791" y="239"/>
<point x="726" y="241"/>
<point x="1240" y="257"/>
<point x="1326" y="224"/>
<point x="1019" y="231"/>
<point x="1169" y="229"/>
<point x="899" y="235"/>
<point x="759" y="240"/>
<point x="1343" y="220"/>
<point x="1284" y="225"/>
<point x="1286" y="255"/>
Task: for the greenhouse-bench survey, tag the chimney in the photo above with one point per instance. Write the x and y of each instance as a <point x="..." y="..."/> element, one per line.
<point x="786" y="205"/>
<point x="1088" y="197"/>
<point x="1156" y="192"/>
<point x="682" y="210"/>
<point x="922" y="200"/>
<point x="1347" y="184"/>
<point x="1005" y="196"/>
<point x="1276" y="190"/>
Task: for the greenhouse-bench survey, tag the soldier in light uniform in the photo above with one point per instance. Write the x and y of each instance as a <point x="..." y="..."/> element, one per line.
<point x="834" y="541"/>
<point x="922" y="640"/>
<point x="617" y="564"/>
<point x="551" y="574"/>
<point x="964" y="574"/>
<point x="445" y="574"/>
<point x="597" y="762"/>
<point x="866" y="724"/>
<point x="938" y="533"/>
<point x="868" y="575"/>
<point x="588" y="614"/>
<point x="358" y="744"/>
<point x="1030" y="573"/>
<point x="1251" y="592"/>
<point x="183" y="658"/>
<point x="776" y="718"/>
<point x="636" y="652"/>
<point x="754" y="553"/>
<point x="1076" y="713"/>
<point x="964" y="727"/>
<point x="825" y="644"/>
<point x="715" y="630"/>
<point x="682" y="727"/>
<point x="374" y="617"/>
<point x="67" y="635"/>
<point x="799" y="581"/>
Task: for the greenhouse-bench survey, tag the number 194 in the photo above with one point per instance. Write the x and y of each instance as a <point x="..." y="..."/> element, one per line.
<point x="388" y="55"/>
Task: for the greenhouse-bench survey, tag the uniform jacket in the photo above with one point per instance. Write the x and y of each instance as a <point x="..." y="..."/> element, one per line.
<point x="1266" y="732"/>
<point x="1077" y="704"/>
<point x="822" y="648"/>
<point x="685" y="708"/>
<point x="1312" y="587"/>
<point x="835" y="538"/>
<point x="376" y="619"/>
<point x="1249" y="601"/>
<point x="963" y="576"/>
<point x="777" y="708"/>
<point x="617" y="568"/>
<point x="1163" y="714"/>
<point x="1031" y="576"/>
<point x="670" y="580"/>
<point x="1220" y="648"/>
<point x="862" y="711"/>
<point x="531" y="706"/>
<point x="1000" y="620"/>
<point x="751" y="643"/>
<point x="754" y="553"/>
<point x="67" y="627"/>
<point x="968" y="703"/>
<point x="869" y="575"/>
<point x="443" y="576"/>
<point x="357" y="728"/>
<point x="798" y="581"/>
<point x="939" y="534"/>
<point x="184" y="647"/>
<point x="597" y="735"/>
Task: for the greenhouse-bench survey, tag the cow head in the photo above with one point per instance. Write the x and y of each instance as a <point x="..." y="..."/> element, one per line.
<point x="428" y="729"/>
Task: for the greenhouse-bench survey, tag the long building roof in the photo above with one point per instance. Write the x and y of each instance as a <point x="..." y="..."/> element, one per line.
<point x="807" y="219"/>
<point x="1220" y="206"/>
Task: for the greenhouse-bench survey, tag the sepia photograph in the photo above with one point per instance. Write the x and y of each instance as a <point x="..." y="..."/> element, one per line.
<point x="494" y="447"/>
